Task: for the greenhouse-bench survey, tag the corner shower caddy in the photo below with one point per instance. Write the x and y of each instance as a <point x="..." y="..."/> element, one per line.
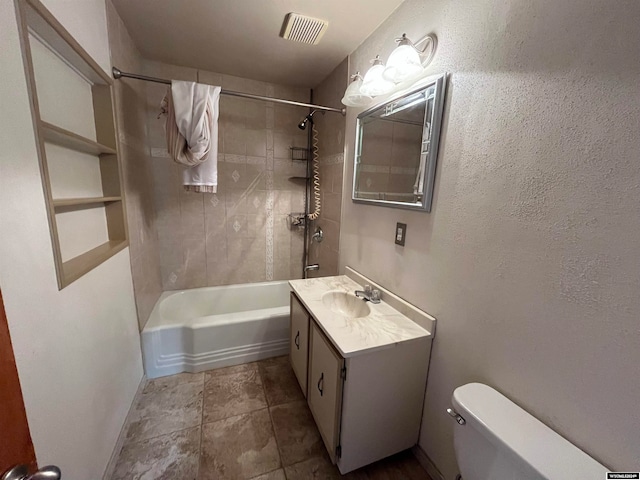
<point x="36" y="21"/>
<point x="300" y="154"/>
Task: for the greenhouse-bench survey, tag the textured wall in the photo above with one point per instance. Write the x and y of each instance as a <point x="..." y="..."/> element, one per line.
<point x="529" y="259"/>
<point x="240" y="234"/>
<point x="77" y="350"/>
<point x="131" y="98"/>
<point x="330" y="128"/>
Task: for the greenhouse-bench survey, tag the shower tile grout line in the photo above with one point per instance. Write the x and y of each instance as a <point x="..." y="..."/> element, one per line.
<point x="269" y="201"/>
<point x="206" y="256"/>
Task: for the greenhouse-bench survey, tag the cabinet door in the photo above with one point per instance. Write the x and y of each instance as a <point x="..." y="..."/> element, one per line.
<point x="325" y="389"/>
<point x="299" y="345"/>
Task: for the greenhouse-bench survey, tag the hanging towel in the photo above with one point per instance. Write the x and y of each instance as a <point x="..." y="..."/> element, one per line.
<point x="192" y="133"/>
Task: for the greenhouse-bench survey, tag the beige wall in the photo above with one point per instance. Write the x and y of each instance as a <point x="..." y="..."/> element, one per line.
<point x="131" y="99"/>
<point x="529" y="258"/>
<point x="330" y="127"/>
<point x="240" y="234"/>
<point x="77" y="350"/>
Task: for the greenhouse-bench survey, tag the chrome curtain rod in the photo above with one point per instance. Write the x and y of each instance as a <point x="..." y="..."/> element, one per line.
<point x="117" y="74"/>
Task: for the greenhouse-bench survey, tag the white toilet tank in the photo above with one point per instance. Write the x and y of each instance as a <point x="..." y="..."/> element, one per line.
<point x="500" y="441"/>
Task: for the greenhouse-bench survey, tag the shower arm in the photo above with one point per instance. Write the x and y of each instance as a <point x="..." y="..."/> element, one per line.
<point x="117" y="74"/>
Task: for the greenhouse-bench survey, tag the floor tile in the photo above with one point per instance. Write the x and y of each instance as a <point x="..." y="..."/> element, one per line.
<point x="237" y="391"/>
<point x="239" y="447"/>
<point x="272" y="361"/>
<point x="244" y="367"/>
<point x="314" y="468"/>
<point x="164" y="436"/>
<point x="167" y="457"/>
<point x="275" y="475"/>
<point x="280" y="383"/>
<point x="296" y="432"/>
<point x="401" y="465"/>
<point x="166" y="410"/>
<point x="164" y="383"/>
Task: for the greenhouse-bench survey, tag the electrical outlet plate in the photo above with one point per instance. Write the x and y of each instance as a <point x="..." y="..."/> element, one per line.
<point x="401" y="233"/>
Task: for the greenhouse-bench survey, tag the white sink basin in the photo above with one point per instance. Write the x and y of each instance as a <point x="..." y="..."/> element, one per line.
<point x="346" y="304"/>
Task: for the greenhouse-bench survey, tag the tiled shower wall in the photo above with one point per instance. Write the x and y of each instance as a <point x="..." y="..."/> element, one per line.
<point x="130" y="99"/>
<point x="331" y="129"/>
<point x="242" y="233"/>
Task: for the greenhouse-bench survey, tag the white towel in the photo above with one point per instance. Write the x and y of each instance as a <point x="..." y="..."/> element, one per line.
<point x="192" y="133"/>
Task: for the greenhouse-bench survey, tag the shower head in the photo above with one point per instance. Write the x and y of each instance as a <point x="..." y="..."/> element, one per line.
<point x="309" y="118"/>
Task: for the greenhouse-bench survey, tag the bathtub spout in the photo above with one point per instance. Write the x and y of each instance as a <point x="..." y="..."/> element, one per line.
<point x="315" y="266"/>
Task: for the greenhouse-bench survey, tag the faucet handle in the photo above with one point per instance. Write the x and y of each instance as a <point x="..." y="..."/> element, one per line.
<point x="375" y="295"/>
<point x="367" y="289"/>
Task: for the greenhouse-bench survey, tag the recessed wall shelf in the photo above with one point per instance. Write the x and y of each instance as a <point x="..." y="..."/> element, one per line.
<point x="78" y="266"/>
<point x="74" y="202"/>
<point x="89" y="226"/>
<point x="67" y="139"/>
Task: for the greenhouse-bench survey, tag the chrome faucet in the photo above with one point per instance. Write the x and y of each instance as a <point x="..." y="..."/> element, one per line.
<point x="313" y="266"/>
<point x="318" y="236"/>
<point x="368" y="295"/>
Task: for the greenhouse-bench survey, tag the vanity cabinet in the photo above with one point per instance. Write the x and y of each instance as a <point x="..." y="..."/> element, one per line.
<point x="325" y="388"/>
<point x="299" y="342"/>
<point x="367" y="402"/>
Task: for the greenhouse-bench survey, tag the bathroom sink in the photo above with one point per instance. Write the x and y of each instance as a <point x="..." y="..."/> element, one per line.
<point x="346" y="304"/>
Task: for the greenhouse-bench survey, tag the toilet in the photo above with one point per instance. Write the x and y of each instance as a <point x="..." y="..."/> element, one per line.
<point x="495" y="439"/>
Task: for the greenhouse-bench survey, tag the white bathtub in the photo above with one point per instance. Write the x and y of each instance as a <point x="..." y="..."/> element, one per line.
<point x="203" y="328"/>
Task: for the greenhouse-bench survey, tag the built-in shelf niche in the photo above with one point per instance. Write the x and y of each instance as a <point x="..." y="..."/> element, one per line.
<point x="103" y="194"/>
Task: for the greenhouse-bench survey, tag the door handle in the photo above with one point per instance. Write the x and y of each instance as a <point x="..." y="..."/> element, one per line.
<point x="297" y="340"/>
<point x="21" y="472"/>
<point x="321" y="382"/>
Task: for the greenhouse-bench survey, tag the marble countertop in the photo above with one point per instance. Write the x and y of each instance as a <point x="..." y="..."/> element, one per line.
<point x="384" y="327"/>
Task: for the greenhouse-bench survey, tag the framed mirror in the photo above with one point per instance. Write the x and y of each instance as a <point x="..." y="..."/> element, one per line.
<point x="397" y="147"/>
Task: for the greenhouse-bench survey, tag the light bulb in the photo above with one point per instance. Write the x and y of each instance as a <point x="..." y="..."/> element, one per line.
<point x="403" y="63"/>
<point x="374" y="84"/>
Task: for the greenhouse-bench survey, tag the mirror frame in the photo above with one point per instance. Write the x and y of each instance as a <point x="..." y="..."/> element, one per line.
<point x="439" y="81"/>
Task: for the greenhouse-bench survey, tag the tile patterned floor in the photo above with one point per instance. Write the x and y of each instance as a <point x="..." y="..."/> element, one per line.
<point x="249" y="421"/>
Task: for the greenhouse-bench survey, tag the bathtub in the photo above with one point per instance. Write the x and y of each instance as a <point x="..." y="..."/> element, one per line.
<point x="211" y="327"/>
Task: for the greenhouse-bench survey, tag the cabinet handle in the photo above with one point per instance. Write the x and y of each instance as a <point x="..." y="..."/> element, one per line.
<point x="321" y="382"/>
<point x="297" y="340"/>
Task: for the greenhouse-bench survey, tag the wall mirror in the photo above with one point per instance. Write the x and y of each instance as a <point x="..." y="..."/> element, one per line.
<point x="397" y="147"/>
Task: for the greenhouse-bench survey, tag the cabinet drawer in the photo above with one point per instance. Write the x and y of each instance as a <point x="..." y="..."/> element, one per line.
<point x="299" y="342"/>
<point x="325" y="389"/>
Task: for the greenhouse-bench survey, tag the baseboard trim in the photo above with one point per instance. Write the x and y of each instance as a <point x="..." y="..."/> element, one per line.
<point x="108" y="472"/>
<point x="426" y="463"/>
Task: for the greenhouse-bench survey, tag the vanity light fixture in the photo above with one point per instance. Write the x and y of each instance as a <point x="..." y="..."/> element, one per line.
<point x="353" y="96"/>
<point x="406" y="62"/>
<point x="374" y="83"/>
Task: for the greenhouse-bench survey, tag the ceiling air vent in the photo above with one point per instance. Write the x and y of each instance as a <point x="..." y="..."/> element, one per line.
<point x="301" y="28"/>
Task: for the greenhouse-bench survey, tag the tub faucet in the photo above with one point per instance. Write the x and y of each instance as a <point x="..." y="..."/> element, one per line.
<point x="315" y="266"/>
<point x="368" y="295"/>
